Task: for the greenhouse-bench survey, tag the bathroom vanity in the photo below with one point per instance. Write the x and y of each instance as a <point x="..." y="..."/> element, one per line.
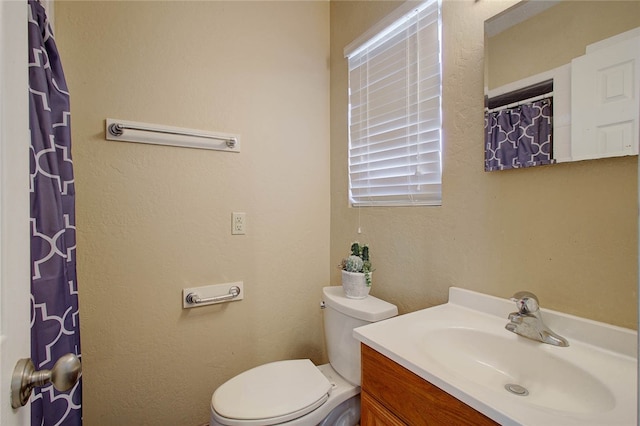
<point x="457" y="364"/>
<point x="392" y="395"/>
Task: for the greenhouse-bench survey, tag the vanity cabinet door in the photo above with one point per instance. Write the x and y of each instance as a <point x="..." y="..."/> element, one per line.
<point x="409" y="398"/>
<point x="374" y="414"/>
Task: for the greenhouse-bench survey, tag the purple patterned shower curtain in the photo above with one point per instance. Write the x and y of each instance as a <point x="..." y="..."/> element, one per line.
<point x="519" y="137"/>
<point x="55" y="328"/>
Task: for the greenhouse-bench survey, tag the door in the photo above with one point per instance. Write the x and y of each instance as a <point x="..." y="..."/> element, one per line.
<point x="14" y="204"/>
<point x="605" y="89"/>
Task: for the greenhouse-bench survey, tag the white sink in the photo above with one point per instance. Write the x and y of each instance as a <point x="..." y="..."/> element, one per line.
<point x="494" y="361"/>
<point x="463" y="348"/>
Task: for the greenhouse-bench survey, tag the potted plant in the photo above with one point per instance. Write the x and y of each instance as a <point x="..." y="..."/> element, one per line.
<point x="356" y="272"/>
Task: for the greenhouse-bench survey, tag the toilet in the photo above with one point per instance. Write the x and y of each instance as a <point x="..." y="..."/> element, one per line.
<point x="296" y="392"/>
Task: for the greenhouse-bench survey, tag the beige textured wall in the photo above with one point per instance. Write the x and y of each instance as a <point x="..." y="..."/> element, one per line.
<point x="533" y="46"/>
<point x="567" y="232"/>
<point x="153" y="220"/>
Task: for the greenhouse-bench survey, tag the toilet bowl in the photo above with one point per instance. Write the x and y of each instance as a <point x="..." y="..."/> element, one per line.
<point x="296" y="392"/>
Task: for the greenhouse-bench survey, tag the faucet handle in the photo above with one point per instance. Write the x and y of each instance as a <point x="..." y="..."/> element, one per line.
<point x="526" y="302"/>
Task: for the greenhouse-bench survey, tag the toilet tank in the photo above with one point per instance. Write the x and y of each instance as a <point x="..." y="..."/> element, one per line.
<point x="341" y="316"/>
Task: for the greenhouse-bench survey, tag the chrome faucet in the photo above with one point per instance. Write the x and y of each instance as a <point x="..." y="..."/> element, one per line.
<point x="527" y="322"/>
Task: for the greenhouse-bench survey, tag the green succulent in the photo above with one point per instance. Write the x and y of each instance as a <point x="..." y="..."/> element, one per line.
<point x="358" y="261"/>
<point x="354" y="264"/>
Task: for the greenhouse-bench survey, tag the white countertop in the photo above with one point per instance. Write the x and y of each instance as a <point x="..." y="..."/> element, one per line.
<point x="591" y="382"/>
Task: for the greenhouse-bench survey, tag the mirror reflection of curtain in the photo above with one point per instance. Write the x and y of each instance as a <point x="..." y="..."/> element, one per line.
<point x="519" y="137"/>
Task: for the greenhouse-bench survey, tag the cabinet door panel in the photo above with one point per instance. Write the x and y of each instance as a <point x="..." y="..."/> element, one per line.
<point x="374" y="414"/>
<point x="412" y="399"/>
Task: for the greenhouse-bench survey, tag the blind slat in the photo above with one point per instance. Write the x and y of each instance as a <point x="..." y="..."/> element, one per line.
<point x="396" y="112"/>
<point x="420" y="162"/>
<point x="391" y="156"/>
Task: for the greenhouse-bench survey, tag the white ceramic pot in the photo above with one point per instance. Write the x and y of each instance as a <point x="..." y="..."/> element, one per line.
<point x="355" y="285"/>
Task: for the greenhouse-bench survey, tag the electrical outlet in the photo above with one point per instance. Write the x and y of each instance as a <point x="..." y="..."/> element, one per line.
<point x="238" y="223"/>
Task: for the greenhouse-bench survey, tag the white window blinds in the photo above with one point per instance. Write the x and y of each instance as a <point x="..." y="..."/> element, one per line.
<point x="394" y="113"/>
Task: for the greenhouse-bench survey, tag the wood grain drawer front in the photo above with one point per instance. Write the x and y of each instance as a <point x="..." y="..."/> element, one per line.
<point x="412" y="399"/>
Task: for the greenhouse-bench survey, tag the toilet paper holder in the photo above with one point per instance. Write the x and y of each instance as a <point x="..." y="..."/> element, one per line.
<point x="199" y="296"/>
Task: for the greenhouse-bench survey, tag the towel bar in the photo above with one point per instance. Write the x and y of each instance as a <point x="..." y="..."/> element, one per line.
<point x="131" y="131"/>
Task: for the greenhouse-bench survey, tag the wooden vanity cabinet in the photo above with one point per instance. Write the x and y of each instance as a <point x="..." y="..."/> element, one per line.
<point x="394" y="396"/>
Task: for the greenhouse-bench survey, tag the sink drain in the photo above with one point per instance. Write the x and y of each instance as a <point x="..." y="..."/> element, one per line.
<point x="516" y="389"/>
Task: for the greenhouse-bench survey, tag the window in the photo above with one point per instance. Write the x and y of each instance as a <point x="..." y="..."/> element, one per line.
<point x="394" y="110"/>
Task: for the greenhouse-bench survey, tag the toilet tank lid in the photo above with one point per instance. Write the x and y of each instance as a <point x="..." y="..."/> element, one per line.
<point x="369" y="309"/>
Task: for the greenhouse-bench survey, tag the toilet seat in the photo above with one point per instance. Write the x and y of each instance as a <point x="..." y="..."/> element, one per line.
<point x="271" y="393"/>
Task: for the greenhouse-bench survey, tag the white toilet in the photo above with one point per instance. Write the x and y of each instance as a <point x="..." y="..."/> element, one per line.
<point x="296" y="392"/>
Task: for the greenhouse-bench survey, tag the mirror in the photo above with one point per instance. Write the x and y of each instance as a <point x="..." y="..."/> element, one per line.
<point x="585" y="56"/>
